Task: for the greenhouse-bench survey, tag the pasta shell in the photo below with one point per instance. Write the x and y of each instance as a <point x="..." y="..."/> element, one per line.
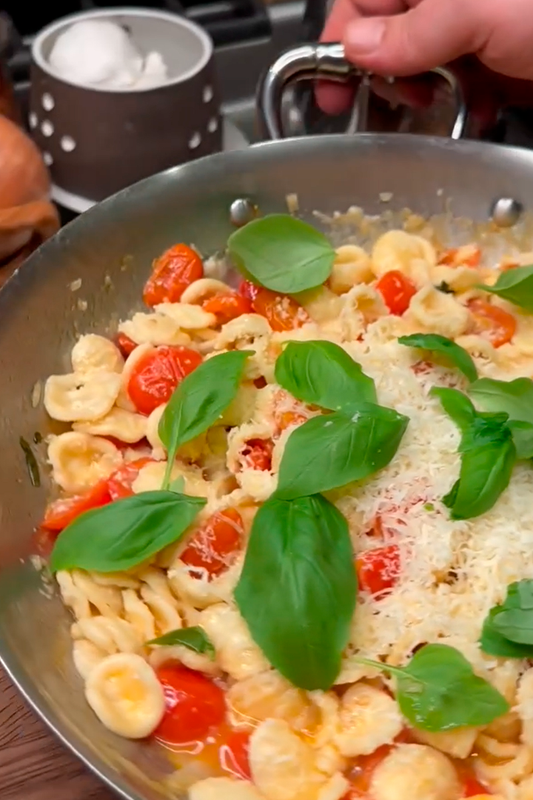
<point x="74" y="397"/>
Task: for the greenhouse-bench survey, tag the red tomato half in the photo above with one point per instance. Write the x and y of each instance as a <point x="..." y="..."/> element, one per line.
<point x="62" y="512"/>
<point x="249" y="290"/>
<point x="212" y="545"/>
<point x="234" y="755"/>
<point x="472" y="787"/>
<point x="125" y="344"/>
<point x="282" y="312"/>
<point x="492" y="322"/>
<point x="194" y="705"/>
<point x="378" y="569"/>
<point x="155" y="376"/>
<point x="397" y="291"/>
<point x="228" y="306"/>
<point x="172" y="272"/>
<point x="257" y="454"/>
<point x="120" y="483"/>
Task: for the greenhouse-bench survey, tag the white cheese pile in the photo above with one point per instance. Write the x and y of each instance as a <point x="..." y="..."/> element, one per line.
<point x="101" y="53"/>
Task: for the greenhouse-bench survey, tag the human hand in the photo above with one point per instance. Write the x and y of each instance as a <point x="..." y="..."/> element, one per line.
<point x="408" y="37"/>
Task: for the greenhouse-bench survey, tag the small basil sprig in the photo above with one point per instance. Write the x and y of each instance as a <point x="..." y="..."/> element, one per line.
<point x="125" y="533"/>
<point x="194" y="638"/>
<point x="332" y="450"/>
<point x="302" y="621"/>
<point x="322" y="373"/>
<point x="198" y="401"/>
<point x="515" y="285"/>
<point x="440" y="344"/>
<point x="439" y="691"/>
<point x="488" y="455"/>
<point x="282" y="253"/>
<point x="508" y="629"/>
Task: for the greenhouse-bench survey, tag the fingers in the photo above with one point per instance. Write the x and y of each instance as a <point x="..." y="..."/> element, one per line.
<point x="432" y="33"/>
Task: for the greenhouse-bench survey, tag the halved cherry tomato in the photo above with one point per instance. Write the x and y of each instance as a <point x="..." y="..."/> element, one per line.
<point x="361" y="774"/>
<point x="249" y="290"/>
<point x="172" y="272"/>
<point x="472" y="787"/>
<point x="43" y="542"/>
<point x="257" y="454"/>
<point x="120" y="482"/>
<point x="62" y="512"/>
<point x="125" y="344"/>
<point x="282" y="312"/>
<point x="156" y="375"/>
<point x="194" y="705"/>
<point x="469" y="255"/>
<point x="492" y="322"/>
<point x="212" y="545"/>
<point x="378" y="569"/>
<point x="234" y="755"/>
<point x="396" y="290"/>
<point x="228" y="306"/>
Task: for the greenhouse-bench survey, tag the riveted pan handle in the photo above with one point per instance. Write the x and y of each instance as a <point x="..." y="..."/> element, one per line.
<point x="326" y="62"/>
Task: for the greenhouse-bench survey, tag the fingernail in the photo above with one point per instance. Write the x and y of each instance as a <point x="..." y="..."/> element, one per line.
<point x="364" y="35"/>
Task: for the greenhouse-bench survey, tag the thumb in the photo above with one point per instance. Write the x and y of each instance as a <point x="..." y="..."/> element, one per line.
<point x="425" y="37"/>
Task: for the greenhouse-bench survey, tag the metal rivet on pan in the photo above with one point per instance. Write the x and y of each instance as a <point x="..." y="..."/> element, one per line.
<point x="242" y="211"/>
<point x="506" y="212"/>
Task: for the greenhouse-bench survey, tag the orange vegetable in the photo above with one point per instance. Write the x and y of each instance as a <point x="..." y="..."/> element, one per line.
<point x="156" y="375"/>
<point x="378" y="569"/>
<point x="228" y="306"/>
<point x="62" y="512"/>
<point x="214" y="544"/>
<point x="120" y="482"/>
<point x="172" y="272"/>
<point x="282" y="312"/>
<point x="492" y="322"/>
<point x="233" y="755"/>
<point x="257" y="454"/>
<point x="125" y="344"/>
<point x="396" y="290"/>
<point x="469" y="256"/>
<point x="194" y="705"/>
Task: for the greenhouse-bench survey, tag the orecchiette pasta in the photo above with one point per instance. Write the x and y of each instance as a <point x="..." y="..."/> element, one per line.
<point x="423" y="576"/>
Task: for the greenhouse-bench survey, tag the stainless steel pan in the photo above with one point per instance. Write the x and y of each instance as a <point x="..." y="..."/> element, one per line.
<point x="110" y="249"/>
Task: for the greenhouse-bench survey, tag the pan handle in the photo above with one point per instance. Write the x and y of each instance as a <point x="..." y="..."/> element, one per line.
<point x="326" y="61"/>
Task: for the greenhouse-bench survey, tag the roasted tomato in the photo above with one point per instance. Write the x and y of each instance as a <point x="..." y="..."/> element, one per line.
<point x="62" y="512"/>
<point x="257" y="454"/>
<point x="228" y="306"/>
<point x="396" y="290"/>
<point x="234" y="755"/>
<point x="125" y="344"/>
<point x="282" y="312"/>
<point x="172" y="272"/>
<point x="194" y="705"/>
<point x="468" y="255"/>
<point x="473" y="788"/>
<point x="120" y="482"/>
<point x="213" y="545"/>
<point x="155" y="376"/>
<point x="492" y="322"/>
<point x="378" y="569"/>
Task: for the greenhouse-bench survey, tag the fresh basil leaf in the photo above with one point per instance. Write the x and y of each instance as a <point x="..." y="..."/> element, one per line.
<point x="439" y="691"/>
<point x="516" y="624"/>
<point x="457" y="405"/>
<point x="515" y="285"/>
<point x="194" y="638"/>
<point x="322" y="373"/>
<point x="522" y="433"/>
<point x="125" y="533"/>
<point x="297" y="590"/>
<point x="332" y="450"/>
<point x="515" y="398"/>
<point x="178" y="485"/>
<point x="282" y="253"/>
<point x="493" y="638"/>
<point x="198" y="402"/>
<point x="485" y="473"/>
<point x="436" y="343"/>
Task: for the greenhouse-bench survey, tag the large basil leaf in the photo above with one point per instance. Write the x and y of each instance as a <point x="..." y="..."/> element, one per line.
<point x="332" y="450"/>
<point x="436" y="343"/>
<point x="194" y="638"/>
<point x="439" y="691"/>
<point x="515" y="398"/>
<point x="515" y="285"/>
<point x="282" y="253"/>
<point x="457" y="405"/>
<point x="198" y="401"/>
<point x="297" y="590"/>
<point x="497" y="636"/>
<point x="323" y="374"/>
<point x="125" y="533"/>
